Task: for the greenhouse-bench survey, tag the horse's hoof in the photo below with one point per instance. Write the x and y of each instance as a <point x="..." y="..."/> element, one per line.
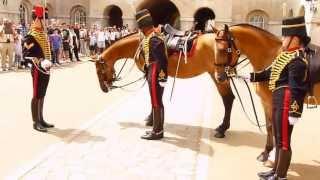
<point x="268" y="164"/>
<point x="263" y="157"/>
<point x="219" y="135"/>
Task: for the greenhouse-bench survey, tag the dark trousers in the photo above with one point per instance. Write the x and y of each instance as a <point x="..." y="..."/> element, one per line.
<point x="282" y="128"/>
<point x="156" y="93"/>
<point x="55" y="56"/>
<point x="76" y="53"/>
<point x="40" y="83"/>
<point x="155" y="90"/>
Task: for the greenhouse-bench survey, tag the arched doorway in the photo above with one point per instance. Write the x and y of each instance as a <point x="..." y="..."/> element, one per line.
<point x="171" y="15"/>
<point x="78" y="15"/>
<point x="25" y="12"/>
<point x="201" y="18"/>
<point x="113" y="15"/>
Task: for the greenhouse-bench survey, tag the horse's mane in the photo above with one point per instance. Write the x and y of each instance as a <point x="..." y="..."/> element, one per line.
<point x="123" y="37"/>
<point x="118" y="42"/>
<point x="267" y="33"/>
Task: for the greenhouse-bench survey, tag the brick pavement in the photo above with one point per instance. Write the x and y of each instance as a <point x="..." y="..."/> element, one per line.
<point x="110" y="146"/>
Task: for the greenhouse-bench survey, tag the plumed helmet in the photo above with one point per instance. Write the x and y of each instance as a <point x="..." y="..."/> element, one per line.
<point x="38" y="12"/>
<point x="144" y="18"/>
<point x="295" y="26"/>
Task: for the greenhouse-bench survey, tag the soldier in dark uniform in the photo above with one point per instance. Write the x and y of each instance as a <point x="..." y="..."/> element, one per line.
<point x="36" y="51"/>
<point x="156" y="62"/>
<point x="287" y="80"/>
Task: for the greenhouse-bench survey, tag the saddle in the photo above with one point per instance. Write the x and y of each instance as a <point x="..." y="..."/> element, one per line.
<point x="179" y="41"/>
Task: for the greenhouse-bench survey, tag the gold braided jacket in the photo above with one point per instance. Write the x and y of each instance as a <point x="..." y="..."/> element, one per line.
<point x="42" y="39"/>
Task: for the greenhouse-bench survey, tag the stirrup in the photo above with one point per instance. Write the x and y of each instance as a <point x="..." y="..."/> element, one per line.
<point x="312" y="100"/>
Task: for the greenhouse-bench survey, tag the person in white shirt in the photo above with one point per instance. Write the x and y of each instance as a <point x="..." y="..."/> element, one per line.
<point x="83" y="37"/>
<point x="92" y="42"/>
<point x="112" y="36"/>
<point x="18" y="48"/>
<point x="6" y="44"/>
<point x="107" y="36"/>
<point x="101" y="40"/>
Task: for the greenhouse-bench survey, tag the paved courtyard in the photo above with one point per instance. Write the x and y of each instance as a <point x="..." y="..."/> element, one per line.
<point x="108" y="146"/>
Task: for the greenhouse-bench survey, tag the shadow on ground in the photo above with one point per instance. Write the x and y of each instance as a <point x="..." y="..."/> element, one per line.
<point x="305" y="171"/>
<point x="78" y="137"/>
<point x="186" y="136"/>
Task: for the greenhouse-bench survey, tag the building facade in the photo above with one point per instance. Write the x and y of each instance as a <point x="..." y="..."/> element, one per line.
<point x="180" y="13"/>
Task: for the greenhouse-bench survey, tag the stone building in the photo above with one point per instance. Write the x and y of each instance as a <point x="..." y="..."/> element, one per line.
<point x="180" y="13"/>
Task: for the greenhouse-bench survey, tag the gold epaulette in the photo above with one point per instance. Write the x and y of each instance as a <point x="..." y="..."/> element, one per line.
<point x="278" y="65"/>
<point x="42" y="39"/>
<point x="146" y="45"/>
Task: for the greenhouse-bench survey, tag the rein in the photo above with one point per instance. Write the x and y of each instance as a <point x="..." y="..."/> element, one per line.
<point x="230" y="70"/>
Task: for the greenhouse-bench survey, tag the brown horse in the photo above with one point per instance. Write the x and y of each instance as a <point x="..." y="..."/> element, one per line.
<point x="202" y="61"/>
<point x="261" y="48"/>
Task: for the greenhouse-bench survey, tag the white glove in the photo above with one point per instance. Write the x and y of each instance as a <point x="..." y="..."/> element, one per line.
<point x="243" y="75"/>
<point x="162" y="84"/>
<point x="293" y="120"/>
<point x="46" y="64"/>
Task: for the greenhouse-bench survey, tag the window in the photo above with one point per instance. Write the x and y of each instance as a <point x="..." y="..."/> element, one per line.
<point x="23" y="14"/>
<point x="258" y="18"/>
<point x="78" y="15"/>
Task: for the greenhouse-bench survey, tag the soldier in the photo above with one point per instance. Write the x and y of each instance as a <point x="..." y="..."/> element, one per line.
<point x="287" y="80"/>
<point x="37" y="52"/>
<point x="156" y="62"/>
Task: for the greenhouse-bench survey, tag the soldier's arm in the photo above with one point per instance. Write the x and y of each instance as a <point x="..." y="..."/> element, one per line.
<point x="298" y="68"/>
<point x="28" y="44"/>
<point x="260" y="76"/>
<point x="160" y="55"/>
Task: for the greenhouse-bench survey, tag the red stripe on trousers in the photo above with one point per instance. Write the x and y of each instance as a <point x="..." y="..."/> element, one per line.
<point x="285" y="120"/>
<point x="154" y="86"/>
<point x="35" y="82"/>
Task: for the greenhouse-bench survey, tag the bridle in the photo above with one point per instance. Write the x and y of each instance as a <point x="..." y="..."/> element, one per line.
<point x="231" y="45"/>
<point x="230" y="69"/>
<point x="103" y="71"/>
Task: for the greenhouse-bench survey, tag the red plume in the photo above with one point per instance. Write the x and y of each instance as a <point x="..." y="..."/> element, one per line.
<point x="38" y="11"/>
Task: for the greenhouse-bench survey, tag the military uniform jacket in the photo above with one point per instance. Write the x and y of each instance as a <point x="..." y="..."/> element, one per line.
<point x="155" y="51"/>
<point x="36" y="45"/>
<point x="289" y="69"/>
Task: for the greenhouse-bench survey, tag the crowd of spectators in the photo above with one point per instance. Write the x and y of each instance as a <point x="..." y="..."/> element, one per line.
<point x="68" y="42"/>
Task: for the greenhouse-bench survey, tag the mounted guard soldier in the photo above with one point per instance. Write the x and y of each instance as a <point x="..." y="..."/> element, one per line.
<point x="36" y="51"/>
<point x="156" y="62"/>
<point x="287" y="78"/>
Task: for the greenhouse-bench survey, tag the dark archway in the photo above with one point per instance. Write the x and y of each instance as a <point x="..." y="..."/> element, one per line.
<point x="113" y="15"/>
<point x="162" y="11"/>
<point x="201" y="18"/>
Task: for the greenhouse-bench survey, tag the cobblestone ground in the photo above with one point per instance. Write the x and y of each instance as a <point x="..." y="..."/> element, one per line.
<point x="111" y="148"/>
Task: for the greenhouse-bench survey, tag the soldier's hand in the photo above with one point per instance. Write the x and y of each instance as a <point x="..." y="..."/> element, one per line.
<point x="162" y="83"/>
<point x="46" y="64"/>
<point x="293" y="120"/>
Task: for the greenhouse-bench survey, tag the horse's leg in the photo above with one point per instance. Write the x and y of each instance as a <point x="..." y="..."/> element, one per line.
<point x="263" y="157"/>
<point x="227" y="98"/>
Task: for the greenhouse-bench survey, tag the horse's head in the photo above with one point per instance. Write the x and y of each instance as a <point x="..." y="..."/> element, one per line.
<point x="226" y="54"/>
<point x="106" y="73"/>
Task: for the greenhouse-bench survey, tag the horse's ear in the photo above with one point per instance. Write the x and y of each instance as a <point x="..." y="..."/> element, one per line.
<point x="226" y="28"/>
<point x="214" y="29"/>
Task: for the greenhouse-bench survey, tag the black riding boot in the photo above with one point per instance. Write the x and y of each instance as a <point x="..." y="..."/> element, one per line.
<point x="283" y="164"/>
<point x="35" y="115"/>
<point x="42" y="121"/>
<point x="267" y="174"/>
<point x="149" y="119"/>
<point x="158" y="121"/>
